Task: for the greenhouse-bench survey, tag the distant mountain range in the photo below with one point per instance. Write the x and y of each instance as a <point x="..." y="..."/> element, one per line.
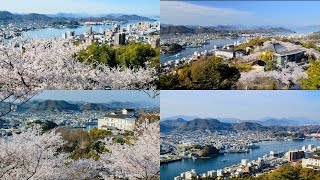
<point x="10" y="17"/>
<point x="181" y="125"/>
<point x="209" y="124"/>
<point x="171" y="29"/>
<point x="60" y="105"/>
<point x="267" y="121"/>
<point x="7" y="16"/>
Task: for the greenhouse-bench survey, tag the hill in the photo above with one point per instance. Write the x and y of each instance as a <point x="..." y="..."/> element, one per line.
<point x="60" y="105"/>
<point x="7" y="16"/>
<point x="249" y="126"/>
<point x="176" y="29"/>
<point x="10" y="17"/>
<point x="94" y="107"/>
<point x="171" y="29"/>
<point x="186" y="118"/>
<point x="54" y="105"/>
<point x="209" y="124"/>
<point x="204" y="124"/>
<point x="170" y="125"/>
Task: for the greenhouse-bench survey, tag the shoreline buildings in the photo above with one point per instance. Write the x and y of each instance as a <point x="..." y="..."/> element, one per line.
<point x="142" y="32"/>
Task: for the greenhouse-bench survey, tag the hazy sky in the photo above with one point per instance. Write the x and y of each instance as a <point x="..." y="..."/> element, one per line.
<point x="245" y="105"/>
<point x="140" y="7"/>
<point x="291" y="13"/>
<point x="98" y="96"/>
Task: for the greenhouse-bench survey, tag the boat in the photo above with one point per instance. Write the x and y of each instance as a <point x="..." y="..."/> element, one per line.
<point x="253" y="146"/>
<point x="194" y="158"/>
<point x="223" y="160"/>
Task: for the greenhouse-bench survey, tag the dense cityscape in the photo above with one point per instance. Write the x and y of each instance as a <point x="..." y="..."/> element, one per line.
<point x="233" y="148"/>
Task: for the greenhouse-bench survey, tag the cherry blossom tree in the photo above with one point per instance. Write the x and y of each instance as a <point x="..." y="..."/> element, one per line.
<point x="33" y="155"/>
<point x="290" y="76"/>
<point x="138" y="160"/>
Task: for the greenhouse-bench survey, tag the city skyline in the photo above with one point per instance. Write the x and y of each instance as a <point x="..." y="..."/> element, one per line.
<point x="98" y="96"/>
<point x="253" y="13"/>
<point x="93" y="7"/>
<point x="244" y="105"/>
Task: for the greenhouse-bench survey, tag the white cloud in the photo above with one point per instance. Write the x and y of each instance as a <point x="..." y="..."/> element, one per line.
<point x="184" y="13"/>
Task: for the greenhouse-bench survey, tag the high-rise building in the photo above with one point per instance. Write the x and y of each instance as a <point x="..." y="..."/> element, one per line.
<point x="68" y="35"/>
<point x="155" y="41"/>
<point x="244" y="162"/>
<point x="295" y="155"/>
<point x="108" y="33"/>
<point x="90" y="30"/>
<point x="120" y="39"/>
<point x="116" y="28"/>
<point x="65" y="35"/>
<point x="129" y="28"/>
<point x="310" y="147"/>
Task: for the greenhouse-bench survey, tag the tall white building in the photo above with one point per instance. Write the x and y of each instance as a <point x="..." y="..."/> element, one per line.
<point x="310" y="147"/>
<point x="244" y="162"/>
<point x="129" y="28"/>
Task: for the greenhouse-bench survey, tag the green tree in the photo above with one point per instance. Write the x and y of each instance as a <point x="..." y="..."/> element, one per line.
<point x="215" y="75"/>
<point x="313" y="80"/>
<point x="169" y="81"/>
<point x="267" y="57"/>
<point x="83" y="144"/>
<point x="98" y="134"/>
<point x="209" y="151"/>
<point x="131" y="56"/>
<point x="48" y="125"/>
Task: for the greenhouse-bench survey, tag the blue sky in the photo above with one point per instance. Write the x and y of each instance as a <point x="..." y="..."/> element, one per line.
<point x="245" y="105"/>
<point x="289" y="13"/>
<point x="99" y="96"/>
<point x="140" y="7"/>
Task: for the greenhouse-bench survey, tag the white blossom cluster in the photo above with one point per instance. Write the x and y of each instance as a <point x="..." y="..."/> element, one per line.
<point x="292" y="74"/>
<point x="32" y="155"/>
<point x="50" y="64"/>
<point x="138" y="160"/>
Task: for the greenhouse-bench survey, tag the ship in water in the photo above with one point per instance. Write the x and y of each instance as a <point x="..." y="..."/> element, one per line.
<point x="253" y="146"/>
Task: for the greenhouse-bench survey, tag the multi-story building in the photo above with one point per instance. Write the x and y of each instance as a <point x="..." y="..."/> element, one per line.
<point x="295" y="155"/>
<point x="311" y="162"/>
<point x="90" y="31"/>
<point x="120" y="39"/>
<point x="70" y="34"/>
<point x="310" y="147"/>
<point x="129" y="28"/>
<point x="124" y="120"/>
<point x="155" y="42"/>
<point x="187" y="175"/>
